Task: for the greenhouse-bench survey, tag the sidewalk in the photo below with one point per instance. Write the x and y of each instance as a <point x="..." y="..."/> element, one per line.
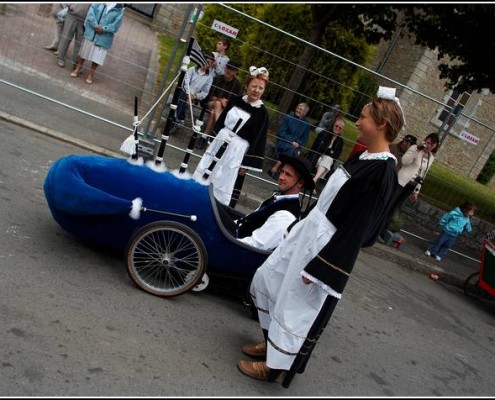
<point x="136" y="76"/>
<point x="125" y="73"/>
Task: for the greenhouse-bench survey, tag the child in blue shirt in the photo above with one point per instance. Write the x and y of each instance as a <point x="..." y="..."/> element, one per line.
<point x="453" y="223"/>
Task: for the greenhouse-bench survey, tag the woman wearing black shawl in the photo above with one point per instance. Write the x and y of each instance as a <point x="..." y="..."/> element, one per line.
<point x="243" y="125"/>
<point x="297" y="288"/>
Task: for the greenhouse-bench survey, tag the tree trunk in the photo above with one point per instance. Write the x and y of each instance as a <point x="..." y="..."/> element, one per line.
<point x="320" y="21"/>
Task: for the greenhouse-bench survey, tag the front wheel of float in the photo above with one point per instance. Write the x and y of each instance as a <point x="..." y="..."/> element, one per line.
<point x="165" y="258"/>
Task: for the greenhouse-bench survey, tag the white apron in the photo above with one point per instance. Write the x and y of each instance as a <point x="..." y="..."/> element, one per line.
<point x="225" y="172"/>
<point x="287" y="308"/>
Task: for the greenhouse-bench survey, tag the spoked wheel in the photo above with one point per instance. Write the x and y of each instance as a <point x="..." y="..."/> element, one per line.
<point x="165" y="258"/>
<point x="471" y="287"/>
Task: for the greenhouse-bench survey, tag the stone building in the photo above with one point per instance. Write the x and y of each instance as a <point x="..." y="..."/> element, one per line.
<point x="468" y="139"/>
<point x="164" y="17"/>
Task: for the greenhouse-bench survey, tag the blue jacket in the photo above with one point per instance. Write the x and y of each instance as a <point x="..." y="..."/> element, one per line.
<point x="294" y="130"/>
<point x="111" y="22"/>
<point x="455" y="222"/>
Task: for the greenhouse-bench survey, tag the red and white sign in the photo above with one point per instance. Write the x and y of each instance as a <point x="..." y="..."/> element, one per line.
<point x="469" y="137"/>
<point x="227" y="30"/>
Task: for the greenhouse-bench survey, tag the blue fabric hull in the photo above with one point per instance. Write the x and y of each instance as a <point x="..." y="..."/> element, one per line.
<point x="91" y="197"/>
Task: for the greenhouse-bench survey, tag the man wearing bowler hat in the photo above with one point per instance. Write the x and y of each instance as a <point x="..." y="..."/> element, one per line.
<point x="399" y="149"/>
<point x="265" y="227"/>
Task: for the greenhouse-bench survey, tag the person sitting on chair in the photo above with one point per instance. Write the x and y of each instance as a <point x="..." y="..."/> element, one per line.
<point x="265" y="227"/>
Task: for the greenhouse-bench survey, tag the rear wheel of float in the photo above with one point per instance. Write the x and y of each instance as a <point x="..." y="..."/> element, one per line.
<point x="165" y="258"/>
<point x="471" y="287"/>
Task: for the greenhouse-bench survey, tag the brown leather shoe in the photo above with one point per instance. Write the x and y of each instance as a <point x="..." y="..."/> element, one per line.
<point x="258" y="370"/>
<point x="255" y="349"/>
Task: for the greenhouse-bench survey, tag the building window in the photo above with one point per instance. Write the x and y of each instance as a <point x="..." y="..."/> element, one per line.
<point x="447" y="117"/>
<point x="145" y="9"/>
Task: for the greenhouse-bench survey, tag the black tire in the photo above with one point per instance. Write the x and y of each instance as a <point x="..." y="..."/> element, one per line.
<point x="165" y="258"/>
<point x="471" y="287"/>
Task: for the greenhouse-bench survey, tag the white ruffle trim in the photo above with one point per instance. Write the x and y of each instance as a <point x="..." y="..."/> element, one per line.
<point x="256" y="104"/>
<point x="157" y="168"/>
<point x="202" y="181"/>
<point x="326" y="288"/>
<point x="139" y="161"/>
<point x="184" y="175"/>
<point x="383" y="155"/>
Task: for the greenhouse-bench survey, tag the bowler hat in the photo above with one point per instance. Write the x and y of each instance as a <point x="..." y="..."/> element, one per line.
<point x="303" y="166"/>
<point x="232" y="65"/>
<point x="410" y="139"/>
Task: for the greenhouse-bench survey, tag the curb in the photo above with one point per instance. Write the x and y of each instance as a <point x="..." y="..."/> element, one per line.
<point x="412" y="263"/>
<point x="58" y="135"/>
<point x="84" y="93"/>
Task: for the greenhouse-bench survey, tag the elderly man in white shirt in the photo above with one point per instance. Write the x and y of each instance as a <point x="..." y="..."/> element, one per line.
<point x="265" y="227"/>
<point x="195" y="86"/>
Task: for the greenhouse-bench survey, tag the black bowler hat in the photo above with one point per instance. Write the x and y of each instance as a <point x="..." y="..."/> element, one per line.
<point x="232" y="65"/>
<point x="410" y="139"/>
<point x="303" y="166"/>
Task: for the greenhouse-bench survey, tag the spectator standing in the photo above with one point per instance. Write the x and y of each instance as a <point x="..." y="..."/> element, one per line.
<point x="59" y="14"/>
<point x="195" y="86"/>
<point x="453" y="224"/>
<point x="102" y="22"/>
<point x="242" y="126"/>
<point x="323" y="134"/>
<point x="399" y="149"/>
<point x="73" y="29"/>
<point x="332" y="152"/>
<point x="221" y="58"/>
<point x="416" y="162"/>
<point x="297" y="288"/>
<point x="223" y="88"/>
<point x="292" y="134"/>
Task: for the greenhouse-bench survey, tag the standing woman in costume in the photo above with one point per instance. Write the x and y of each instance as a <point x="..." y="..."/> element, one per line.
<point x="243" y="125"/>
<point x="297" y="288"/>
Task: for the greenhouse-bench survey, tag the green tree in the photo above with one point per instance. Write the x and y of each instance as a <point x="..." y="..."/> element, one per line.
<point x="464" y="33"/>
<point x="486" y="174"/>
<point x="370" y="23"/>
<point x="207" y="37"/>
<point x="326" y="78"/>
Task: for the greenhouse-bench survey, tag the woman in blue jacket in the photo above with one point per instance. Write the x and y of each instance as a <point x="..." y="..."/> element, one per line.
<point x="453" y="223"/>
<point x="292" y="134"/>
<point x="102" y="22"/>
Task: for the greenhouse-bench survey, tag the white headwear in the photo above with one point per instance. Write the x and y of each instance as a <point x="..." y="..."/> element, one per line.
<point x="389" y="94"/>
<point x="258" y="71"/>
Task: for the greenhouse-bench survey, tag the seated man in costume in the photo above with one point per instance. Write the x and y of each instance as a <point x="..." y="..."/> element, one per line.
<point x="265" y="227"/>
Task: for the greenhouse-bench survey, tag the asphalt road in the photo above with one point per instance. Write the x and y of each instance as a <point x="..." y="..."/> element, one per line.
<point x="74" y="325"/>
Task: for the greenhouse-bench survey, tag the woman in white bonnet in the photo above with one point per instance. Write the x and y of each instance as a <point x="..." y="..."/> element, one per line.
<point x="298" y="286"/>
